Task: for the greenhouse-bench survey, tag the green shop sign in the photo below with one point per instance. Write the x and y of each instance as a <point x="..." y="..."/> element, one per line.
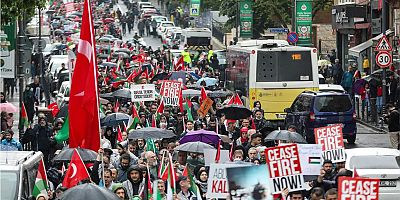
<point x="246" y="18"/>
<point x="304" y="22"/>
<point x="194" y="7"/>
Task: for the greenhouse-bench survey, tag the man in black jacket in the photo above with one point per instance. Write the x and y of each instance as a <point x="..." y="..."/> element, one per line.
<point x="40" y="137"/>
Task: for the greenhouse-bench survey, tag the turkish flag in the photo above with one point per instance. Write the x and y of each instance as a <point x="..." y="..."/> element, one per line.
<point x="76" y="171"/>
<point x="180" y="64"/>
<point x="84" y="122"/>
<point x="203" y="95"/>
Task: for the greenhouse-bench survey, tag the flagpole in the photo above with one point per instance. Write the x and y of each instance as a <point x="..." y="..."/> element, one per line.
<point x="89" y="6"/>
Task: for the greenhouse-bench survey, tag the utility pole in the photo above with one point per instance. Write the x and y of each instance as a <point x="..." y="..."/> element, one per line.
<point x="20" y="68"/>
<point x="384" y="28"/>
<point x="293" y="15"/>
<point x="237" y="20"/>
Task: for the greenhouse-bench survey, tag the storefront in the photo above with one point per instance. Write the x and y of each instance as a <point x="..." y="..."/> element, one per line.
<point x="350" y="23"/>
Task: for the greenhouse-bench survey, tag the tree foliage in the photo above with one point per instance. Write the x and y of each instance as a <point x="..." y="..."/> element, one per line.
<point x="12" y="10"/>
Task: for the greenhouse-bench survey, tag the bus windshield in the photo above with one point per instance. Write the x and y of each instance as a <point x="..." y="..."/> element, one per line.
<point x="280" y="66"/>
<point x="8" y="179"/>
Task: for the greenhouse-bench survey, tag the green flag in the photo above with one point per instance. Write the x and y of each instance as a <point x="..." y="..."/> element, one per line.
<point x="150" y="146"/>
<point x="63" y="133"/>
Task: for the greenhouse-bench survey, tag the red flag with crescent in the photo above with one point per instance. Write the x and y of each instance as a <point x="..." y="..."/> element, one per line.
<point x="76" y="171"/>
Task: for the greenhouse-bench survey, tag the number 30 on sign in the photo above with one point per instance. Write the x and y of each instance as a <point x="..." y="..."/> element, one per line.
<point x="383" y="59"/>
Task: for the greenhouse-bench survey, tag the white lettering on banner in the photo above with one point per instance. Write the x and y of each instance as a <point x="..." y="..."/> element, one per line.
<point x="331" y="139"/>
<point x="170" y="91"/>
<point x="334" y="154"/>
<point x="358" y="188"/>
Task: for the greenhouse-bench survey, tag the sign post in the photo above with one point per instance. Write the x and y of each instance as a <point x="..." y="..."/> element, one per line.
<point x="304" y="22"/>
<point x="194" y="7"/>
<point x="246" y="19"/>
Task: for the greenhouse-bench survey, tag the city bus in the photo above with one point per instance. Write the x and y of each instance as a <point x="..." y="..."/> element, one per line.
<point x="272" y="72"/>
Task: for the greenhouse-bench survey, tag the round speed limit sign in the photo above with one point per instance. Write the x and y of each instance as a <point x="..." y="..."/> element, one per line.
<point x="383" y="59"/>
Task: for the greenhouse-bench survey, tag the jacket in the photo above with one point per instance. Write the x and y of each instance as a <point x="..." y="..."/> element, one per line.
<point x="132" y="187"/>
<point x="40" y="137"/>
<point x="12" y="143"/>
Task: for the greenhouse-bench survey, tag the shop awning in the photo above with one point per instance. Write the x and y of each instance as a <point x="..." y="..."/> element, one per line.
<point x="355" y="51"/>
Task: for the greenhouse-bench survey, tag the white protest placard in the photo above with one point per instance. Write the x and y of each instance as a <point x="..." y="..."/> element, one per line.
<point x="209" y="156"/>
<point x="284" y="168"/>
<point x="358" y="188"/>
<point x="331" y="139"/>
<point x="217" y="184"/>
<point x="170" y="91"/>
<point x="310" y="158"/>
<point x="143" y="92"/>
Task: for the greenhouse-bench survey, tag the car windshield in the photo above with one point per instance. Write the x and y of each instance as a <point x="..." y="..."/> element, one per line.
<point x="332" y="103"/>
<point x="8" y="179"/>
<point x="375" y="162"/>
<point x="168" y="24"/>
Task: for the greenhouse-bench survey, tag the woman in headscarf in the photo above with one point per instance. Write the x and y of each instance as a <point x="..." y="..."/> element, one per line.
<point x="201" y="182"/>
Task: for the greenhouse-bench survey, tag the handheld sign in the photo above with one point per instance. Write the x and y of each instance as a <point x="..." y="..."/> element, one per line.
<point x="143" y="92"/>
<point x="331" y="139"/>
<point x="170" y="91"/>
<point x="358" y="188"/>
<point x="217" y="184"/>
<point x="205" y="106"/>
<point x="284" y="168"/>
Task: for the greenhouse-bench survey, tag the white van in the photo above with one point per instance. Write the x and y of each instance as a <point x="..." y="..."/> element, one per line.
<point x="18" y="170"/>
<point x="199" y="37"/>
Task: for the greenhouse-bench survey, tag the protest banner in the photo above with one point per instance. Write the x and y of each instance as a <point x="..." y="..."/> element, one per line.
<point x="310" y="158"/>
<point x="284" y="168"/>
<point x="170" y="91"/>
<point x="209" y="156"/>
<point x="331" y="139"/>
<point x="217" y="184"/>
<point x="358" y="188"/>
<point x="205" y="106"/>
<point x="143" y="92"/>
<point x="249" y="182"/>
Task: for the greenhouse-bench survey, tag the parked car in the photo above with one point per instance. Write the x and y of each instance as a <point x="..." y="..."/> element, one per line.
<point x="18" y="170"/>
<point x="161" y="27"/>
<point x="175" y="39"/>
<point x="318" y="109"/>
<point x="168" y="33"/>
<point x="380" y="163"/>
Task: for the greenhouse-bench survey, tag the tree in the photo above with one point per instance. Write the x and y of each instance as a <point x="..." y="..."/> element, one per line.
<point x="12" y="10"/>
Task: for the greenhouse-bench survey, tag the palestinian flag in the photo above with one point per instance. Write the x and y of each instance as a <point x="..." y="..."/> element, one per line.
<point x="171" y="179"/>
<point x="153" y="121"/>
<point x="150" y="146"/>
<point x="193" y="187"/>
<point x="149" y="186"/>
<point x="24" y="116"/>
<point x="162" y="168"/>
<point x="40" y="186"/>
<point x="134" y="120"/>
<point x="188" y="108"/>
<point x="160" y="110"/>
<point x="156" y="193"/>
<point x="63" y="133"/>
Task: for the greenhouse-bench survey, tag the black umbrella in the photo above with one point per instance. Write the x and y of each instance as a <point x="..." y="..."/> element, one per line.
<point x="219" y="93"/>
<point x="150" y="133"/>
<point x="103" y="56"/>
<point x="89" y="191"/>
<point x="160" y="76"/>
<point x="65" y="155"/>
<point x="115" y="119"/>
<point x="286" y="136"/>
<point x="107" y="96"/>
<point x="234" y="112"/>
<point x="122" y="93"/>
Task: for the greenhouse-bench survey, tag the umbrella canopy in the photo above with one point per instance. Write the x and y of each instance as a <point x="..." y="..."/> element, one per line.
<point x="150" y="133"/>
<point x="218" y="93"/>
<point x="65" y="155"/>
<point x="115" y="119"/>
<point x="103" y="101"/>
<point x="196" y="147"/>
<point x="122" y="93"/>
<point x="121" y="54"/>
<point x="8" y="107"/>
<point x="160" y="76"/>
<point x="234" y="112"/>
<point x="286" y="135"/>
<point x="89" y="191"/>
<point x="209" y="81"/>
<point x="208" y="137"/>
<point x="107" y="96"/>
<point x="125" y="50"/>
<point x="109" y="64"/>
<point x="190" y="93"/>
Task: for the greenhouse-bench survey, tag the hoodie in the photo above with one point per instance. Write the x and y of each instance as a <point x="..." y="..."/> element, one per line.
<point x="134" y="188"/>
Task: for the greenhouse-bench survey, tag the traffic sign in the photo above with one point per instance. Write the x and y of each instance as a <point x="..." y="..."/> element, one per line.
<point x="384" y="59"/>
<point x="383" y="44"/>
<point x="292" y="37"/>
